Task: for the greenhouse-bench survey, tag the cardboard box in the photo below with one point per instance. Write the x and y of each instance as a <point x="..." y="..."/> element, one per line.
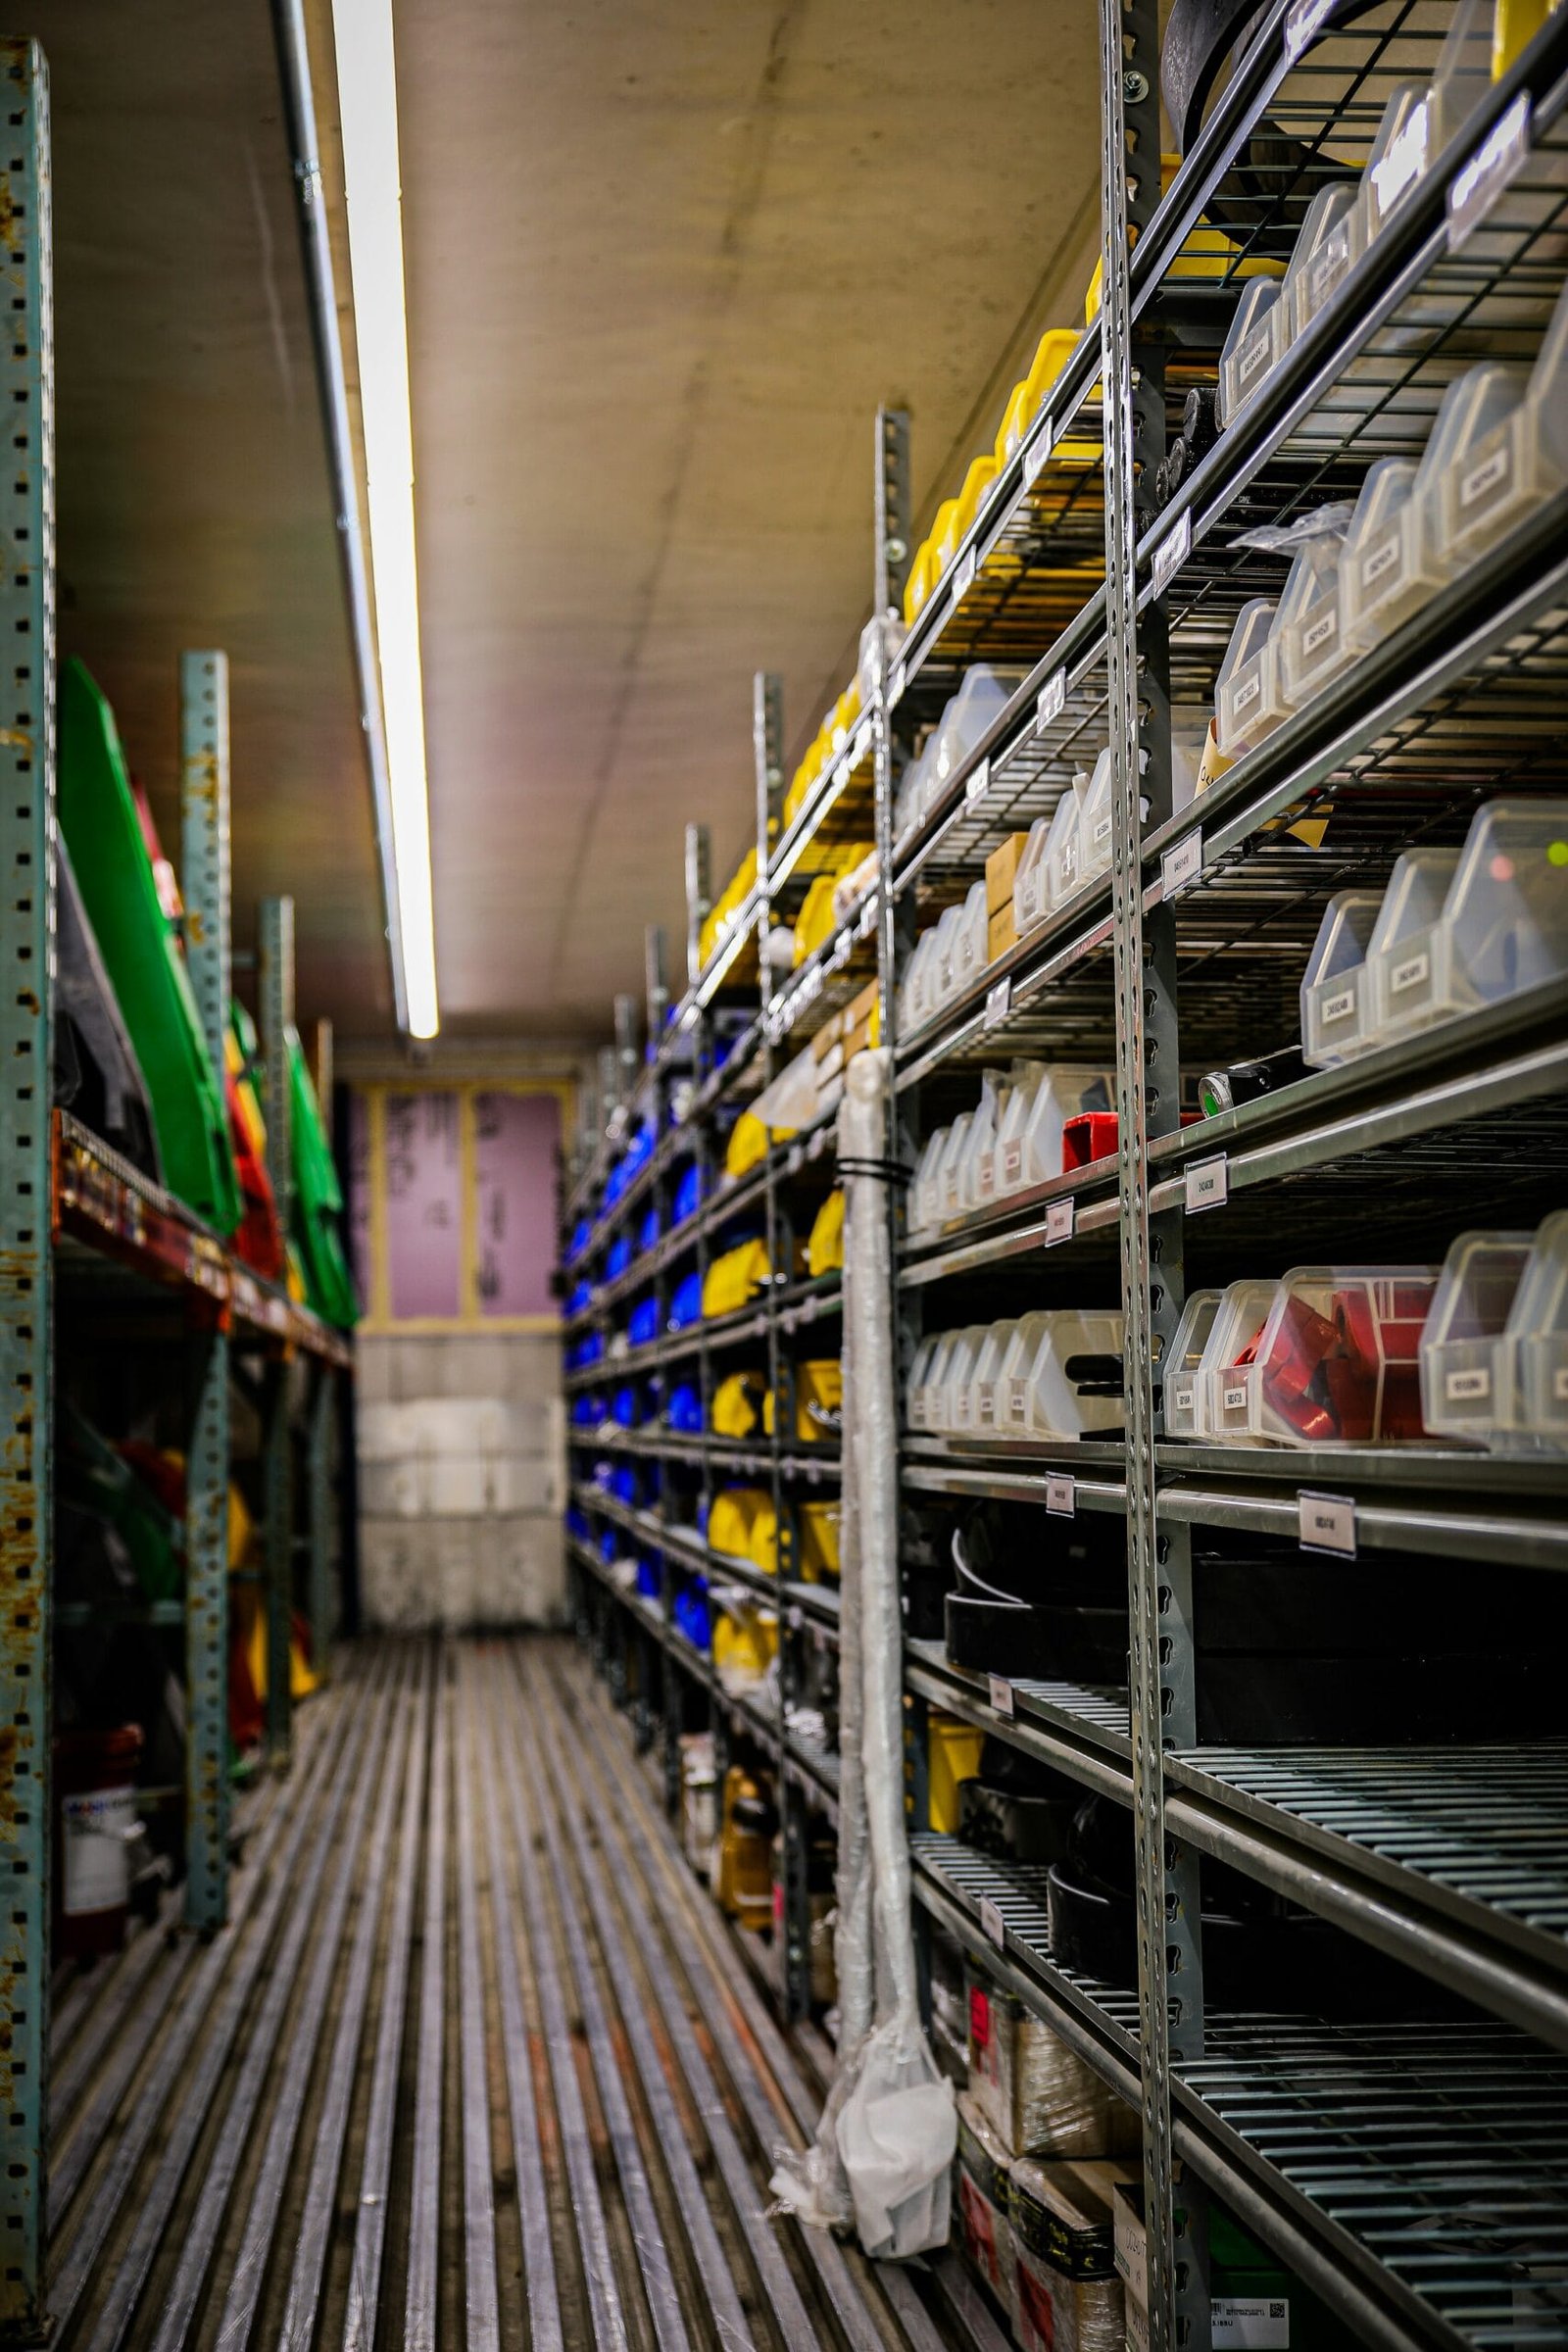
<point x="860" y="1006"/>
<point x="1065" y="2210"/>
<point x="1001" y="933"/>
<point x="1255" y="2305"/>
<point x="1000" y="867"/>
<point x="828" y="1036"/>
<point x="857" y="1038"/>
<point x="1060" y="2314"/>
<point x="1038" y="2095"/>
<point x="981" y="2195"/>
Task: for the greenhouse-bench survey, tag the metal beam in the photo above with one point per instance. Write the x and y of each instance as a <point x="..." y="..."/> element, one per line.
<point x="27" y="1040"/>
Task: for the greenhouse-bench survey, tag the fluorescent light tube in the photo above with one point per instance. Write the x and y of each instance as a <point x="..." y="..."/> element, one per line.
<point x="367" y="107"/>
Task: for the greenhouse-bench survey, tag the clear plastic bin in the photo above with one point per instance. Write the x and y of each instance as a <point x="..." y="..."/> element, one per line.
<point x="1398" y="984"/>
<point x="1533" y="1356"/>
<point x="915" y="995"/>
<point x="1399" y="156"/>
<point x="1419" y="121"/>
<point x="1311" y="635"/>
<point x="1052" y="1404"/>
<point x="1330" y="245"/>
<point x="1097" y="823"/>
<point x="1031" y="884"/>
<point x="956" y="1374"/>
<point x="949" y="1166"/>
<point x="980" y="1146"/>
<point x="1023" y="1078"/>
<point x="1030" y="1148"/>
<point x="1065" y="845"/>
<point x="1259" y="334"/>
<point x="1500" y="927"/>
<point x="917" y="1388"/>
<point x="962" y="955"/>
<point x="1469" y="1313"/>
<point x="1189" y="733"/>
<point x="1247" y="698"/>
<point x="923" y="1193"/>
<point x="1013" y="1385"/>
<point x="1394" y="562"/>
<point x="1339" y="1361"/>
<point x="1183" y="1363"/>
<point x="982" y="1175"/>
<point x="1220" y="1397"/>
<point x="1514" y="452"/>
<point x="976" y="1407"/>
<point x="983" y="696"/>
<point x="1334" y="1000"/>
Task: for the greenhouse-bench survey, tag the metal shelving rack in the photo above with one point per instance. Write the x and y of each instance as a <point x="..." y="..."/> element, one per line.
<point x="1414" y="2175"/>
<point x="81" y="1229"/>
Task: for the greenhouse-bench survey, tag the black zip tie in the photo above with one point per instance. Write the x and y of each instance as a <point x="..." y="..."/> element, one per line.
<point x="881" y="1171"/>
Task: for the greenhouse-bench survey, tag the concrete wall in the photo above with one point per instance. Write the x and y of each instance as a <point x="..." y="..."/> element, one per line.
<point x="462" y="1470"/>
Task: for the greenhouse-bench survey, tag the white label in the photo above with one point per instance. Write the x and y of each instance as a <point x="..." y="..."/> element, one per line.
<point x="1459" y="1386"/>
<point x="860" y="746"/>
<point x="1182" y="865"/>
<point x="963" y="576"/>
<point x="1012" y="1160"/>
<point x="1059" y="1222"/>
<point x="1404" y="161"/>
<point x="1410" y="973"/>
<point x="1061" y="1496"/>
<point x="896" y="689"/>
<point x="1036" y="449"/>
<point x="1002" y="1695"/>
<point x="1320" y="631"/>
<point x="1476" y="186"/>
<point x="1173" y="551"/>
<point x="1254" y="352"/>
<point x="993" y="1923"/>
<point x="1335" y="1008"/>
<point x="1103" y="830"/>
<point x="979" y="782"/>
<point x="1017" y="1403"/>
<point x="1052" y="696"/>
<point x="999" y="1000"/>
<point x="868" y="917"/>
<point x="1377" y="562"/>
<point x="1240" y="696"/>
<point x="97" y="1826"/>
<point x="844" y="948"/>
<point x="1327" y="1522"/>
<point x="1207" y="1185"/>
<point x="1305" y="21"/>
<point x="1250" y="2322"/>
<point x="1487" y="475"/>
<point x="1233" y="1399"/>
<point x="1180" y="1391"/>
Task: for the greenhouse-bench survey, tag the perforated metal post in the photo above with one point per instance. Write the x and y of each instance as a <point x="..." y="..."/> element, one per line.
<point x="1130" y="126"/>
<point x="26" y="1033"/>
<point x="204" y="837"/>
<point x="894" y="513"/>
<point x="275" y="980"/>
<point x="699" y="896"/>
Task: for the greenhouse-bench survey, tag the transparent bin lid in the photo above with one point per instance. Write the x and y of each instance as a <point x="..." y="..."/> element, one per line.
<point x="1056" y="1404"/>
<point x="976" y="1408"/>
<point x="1332" y="987"/>
<point x="1515" y="455"/>
<point x="1221" y="1397"/>
<point x="1182" y="1363"/>
<point x="1534" y="1349"/>
<point x="1031" y="897"/>
<point x="1258" y="338"/>
<point x="1459" y="1346"/>
<point x="1031" y="1153"/>
<point x="1326" y="252"/>
<point x="1338" y="1362"/>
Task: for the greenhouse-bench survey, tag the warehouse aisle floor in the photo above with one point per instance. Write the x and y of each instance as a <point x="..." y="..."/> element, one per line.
<point x="476" y="2064"/>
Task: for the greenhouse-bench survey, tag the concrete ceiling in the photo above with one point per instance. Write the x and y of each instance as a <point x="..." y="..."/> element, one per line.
<point x="663" y="264"/>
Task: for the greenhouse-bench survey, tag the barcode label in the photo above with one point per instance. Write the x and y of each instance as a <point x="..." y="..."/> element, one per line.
<point x="1002" y="1695"/>
<point x="1061" y="1497"/>
<point x="1207" y="1185"/>
<point x="963" y="576"/>
<point x="1059" y="1222"/>
<point x="979" y="782"/>
<point x="1182" y="865"/>
<point x="1052" y="696"/>
<point x="1234" y="1398"/>
<point x="1327" y="1522"/>
<point x="1173" y="551"/>
<point x="1410" y="973"/>
<point x="1487" y="475"/>
<point x="1461" y="1388"/>
<point x="1320" y="631"/>
<point x="1336" y="1007"/>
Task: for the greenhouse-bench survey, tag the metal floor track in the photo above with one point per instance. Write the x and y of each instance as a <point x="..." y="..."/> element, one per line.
<point x="474" y="2063"/>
